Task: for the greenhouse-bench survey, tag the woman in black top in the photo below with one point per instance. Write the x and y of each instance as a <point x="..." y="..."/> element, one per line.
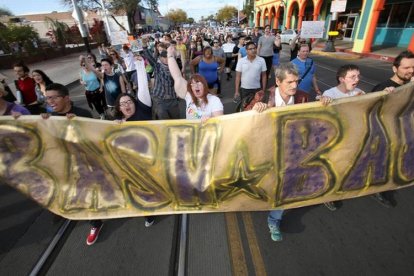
<point x="129" y="109"/>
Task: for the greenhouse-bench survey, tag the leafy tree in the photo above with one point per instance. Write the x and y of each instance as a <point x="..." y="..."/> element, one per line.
<point x="97" y="31"/>
<point x="177" y="16"/>
<point x="226" y="13"/>
<point x="248" y="8"/>
<point x="58" y="31"/>
<point x="23" y="35"/>
<point x="130" y="7"/>
<point x="190" y="20"/>
<point x="210" y="17"/>
<point x="152" y="5"/>
<point x="5" y="11"/>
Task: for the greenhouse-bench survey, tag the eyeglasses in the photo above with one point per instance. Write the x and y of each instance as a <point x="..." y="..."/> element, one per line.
<point x="199" y="83"/>
<point x="251" y="49"/>
<point x="125" y="103"/>
<point x="215" y="41"/>
<point x="53" y="98"/>
<point x="89" y="57"/>
<point x="354" y="78"/>
<point x="83" y="64"/>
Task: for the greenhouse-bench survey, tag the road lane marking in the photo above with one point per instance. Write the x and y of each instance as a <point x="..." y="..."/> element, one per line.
<point x="258" y="263"/>
<point x="238" y="260"/>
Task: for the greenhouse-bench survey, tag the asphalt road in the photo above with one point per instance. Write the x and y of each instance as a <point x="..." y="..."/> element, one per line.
<point x="361" y="238"/>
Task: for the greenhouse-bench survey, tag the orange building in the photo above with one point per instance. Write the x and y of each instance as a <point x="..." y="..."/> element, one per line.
<point x="367" y="23"/>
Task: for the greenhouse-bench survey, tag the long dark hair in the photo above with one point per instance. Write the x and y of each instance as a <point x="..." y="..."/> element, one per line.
<point x="45" y="77"/>
<point x="118" y="113"/>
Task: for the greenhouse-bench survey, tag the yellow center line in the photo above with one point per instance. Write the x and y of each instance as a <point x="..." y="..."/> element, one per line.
<point x="258" y="263"/>
<point x="237" y="257"/>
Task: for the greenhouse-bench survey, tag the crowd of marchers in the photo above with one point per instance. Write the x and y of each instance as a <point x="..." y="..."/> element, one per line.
<point x="129" y="84"/>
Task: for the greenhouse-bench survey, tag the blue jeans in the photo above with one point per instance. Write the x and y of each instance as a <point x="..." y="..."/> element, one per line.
<point x="274" y="217"/>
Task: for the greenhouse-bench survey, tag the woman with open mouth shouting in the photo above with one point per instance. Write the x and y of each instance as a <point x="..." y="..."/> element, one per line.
<point x="200" y="104"/>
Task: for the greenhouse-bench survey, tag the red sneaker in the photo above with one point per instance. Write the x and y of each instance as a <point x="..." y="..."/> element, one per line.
<point x="93" y="235"/>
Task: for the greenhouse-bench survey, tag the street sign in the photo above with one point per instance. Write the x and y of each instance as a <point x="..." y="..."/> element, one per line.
<point x="338" y="6"/>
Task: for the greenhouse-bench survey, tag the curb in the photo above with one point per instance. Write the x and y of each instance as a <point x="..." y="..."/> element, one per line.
<point x="319" y="50"/>
<point x="337" y="55"/>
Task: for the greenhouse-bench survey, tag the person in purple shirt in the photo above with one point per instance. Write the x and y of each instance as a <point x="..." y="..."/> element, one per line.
<point x="7" y="108"/>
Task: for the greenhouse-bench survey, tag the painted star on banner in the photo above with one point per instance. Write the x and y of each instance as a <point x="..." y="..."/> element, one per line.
<point x="243" y="180"/>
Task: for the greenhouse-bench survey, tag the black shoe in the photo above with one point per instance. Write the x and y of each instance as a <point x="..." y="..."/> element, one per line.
<point x="382" y="200"/>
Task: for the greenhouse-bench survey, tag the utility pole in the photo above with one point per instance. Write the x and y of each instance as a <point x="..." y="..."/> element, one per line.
<point x="330" y="43"/>
<point x="238" y="12"/>
<point x="82" y="27"/>
<point x="106" y="20"/>
<point x="337" y="6"/>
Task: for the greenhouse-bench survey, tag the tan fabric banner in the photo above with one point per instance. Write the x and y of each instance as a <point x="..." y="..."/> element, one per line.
<point x="283" y="158"/>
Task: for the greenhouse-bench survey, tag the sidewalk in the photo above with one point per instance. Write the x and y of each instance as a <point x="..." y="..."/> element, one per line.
<point x="344" y="51"/>
<point x="64" y="70"/>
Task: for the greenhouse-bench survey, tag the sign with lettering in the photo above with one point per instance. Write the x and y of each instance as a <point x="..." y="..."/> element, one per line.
<point x="312" y="29"/>
<point x="286" y="157"/>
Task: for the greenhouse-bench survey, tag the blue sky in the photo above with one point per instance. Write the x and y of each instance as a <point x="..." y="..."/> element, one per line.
<point x="194" y="8"/>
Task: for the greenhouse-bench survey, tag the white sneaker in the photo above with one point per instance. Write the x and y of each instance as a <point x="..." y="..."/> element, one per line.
<point x="149" y="221"/>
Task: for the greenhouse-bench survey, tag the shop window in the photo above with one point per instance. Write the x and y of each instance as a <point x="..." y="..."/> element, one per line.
<point x="383" y="17"/>
<point x="399" y="15"/>
<point x="410" y="21"/>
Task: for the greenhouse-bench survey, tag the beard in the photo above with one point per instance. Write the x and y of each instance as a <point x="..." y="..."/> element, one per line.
<point x="404" y="78"/>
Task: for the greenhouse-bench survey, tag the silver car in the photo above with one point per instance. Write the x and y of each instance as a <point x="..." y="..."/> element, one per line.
<point x="288" y="35"/>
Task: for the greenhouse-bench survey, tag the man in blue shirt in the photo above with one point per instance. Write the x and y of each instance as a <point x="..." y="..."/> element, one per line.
<point x="307" y="70"/>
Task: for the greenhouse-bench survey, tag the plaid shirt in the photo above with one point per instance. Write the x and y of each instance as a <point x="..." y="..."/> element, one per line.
<point x="164" y="83"/>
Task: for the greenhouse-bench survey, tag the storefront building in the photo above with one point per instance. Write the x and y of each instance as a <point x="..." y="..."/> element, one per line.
<point x="366" y="23"/>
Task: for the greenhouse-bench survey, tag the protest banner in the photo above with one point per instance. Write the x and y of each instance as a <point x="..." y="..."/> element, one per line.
<point x="286" y="157"/>
<point x="312" y="29"/>
<point x="119" y="38"/>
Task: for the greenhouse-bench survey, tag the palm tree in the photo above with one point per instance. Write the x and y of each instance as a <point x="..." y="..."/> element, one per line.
<point x="59" y="30"/>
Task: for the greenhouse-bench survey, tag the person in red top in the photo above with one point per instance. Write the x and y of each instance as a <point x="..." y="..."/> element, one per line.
<point x="25" y="87"/>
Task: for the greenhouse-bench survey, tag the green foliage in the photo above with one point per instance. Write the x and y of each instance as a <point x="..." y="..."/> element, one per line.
<point x="190" y="20"/>
<point x="226" y="13"/>
<point x="24" y="35"/>
<point x="152" y="4"/>
<point x="5" y="11"/>
<point x="248" y="8"/>
<point x="129" y="6"/>
<point x="59" y="31"/>
<point x="177" y="16"/>
<point x="97" y="31"/>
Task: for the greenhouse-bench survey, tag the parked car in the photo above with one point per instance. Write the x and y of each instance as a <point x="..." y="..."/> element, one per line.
<point x="288" y="35"/>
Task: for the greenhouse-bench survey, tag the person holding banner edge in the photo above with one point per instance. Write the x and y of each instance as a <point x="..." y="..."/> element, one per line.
<point x="286" y="93"/>
<point x="403" y="68"/>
